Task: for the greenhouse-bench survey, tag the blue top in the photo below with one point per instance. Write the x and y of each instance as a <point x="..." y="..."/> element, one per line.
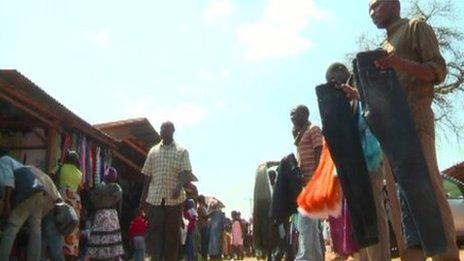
<point x="7" y="167"/>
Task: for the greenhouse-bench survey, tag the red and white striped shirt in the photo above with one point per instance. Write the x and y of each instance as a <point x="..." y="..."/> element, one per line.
<point x="311" y="139"/>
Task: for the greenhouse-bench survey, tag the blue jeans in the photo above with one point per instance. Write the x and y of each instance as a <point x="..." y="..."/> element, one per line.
<point x="309" y="241"/>
<point x="389" y="117"/>
<point x="29" y="210"/>
<point x="52" y="239"/>
<point x="190" y="246"/>
<point x="139" y="247"/>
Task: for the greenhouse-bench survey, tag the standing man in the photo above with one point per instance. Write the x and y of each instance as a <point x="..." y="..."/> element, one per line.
<point x="167" y="169"/>
<point x="308" y="140"/>
<point x="203" y="226"/>
<point x="415" y="55"/>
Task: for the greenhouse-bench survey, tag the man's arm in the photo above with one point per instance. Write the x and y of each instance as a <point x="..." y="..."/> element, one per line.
<point x="424" y="72"/>
<point x="143" y="203"/>
<point x="431" y="66"/>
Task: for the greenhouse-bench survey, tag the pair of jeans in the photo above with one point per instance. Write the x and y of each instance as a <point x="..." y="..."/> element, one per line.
<point x="163" y="238"/>
<point x="340" y="128"/>
<point x="389" y="117"/>
<point x="190" y="246"/>
<point x="51" y="239"/>
<point x="29" y="210"/>
<point x="139" y="248"/>
<point x="309" y="241"/>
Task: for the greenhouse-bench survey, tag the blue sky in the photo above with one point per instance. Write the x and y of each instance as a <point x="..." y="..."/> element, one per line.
<point x="226" y="72"/>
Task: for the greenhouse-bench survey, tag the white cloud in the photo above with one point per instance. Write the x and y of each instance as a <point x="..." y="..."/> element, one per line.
<point x="101" y="37"/>
<point x="206" y="75"/>
<point x="217" y="9"/>
<point x="279" y="31"/>
<point x="181" y="114"/>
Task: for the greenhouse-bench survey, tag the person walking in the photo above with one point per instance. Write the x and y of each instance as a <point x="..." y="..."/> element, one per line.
<point x="308" y="140"/>
<point x="167" y="170"/>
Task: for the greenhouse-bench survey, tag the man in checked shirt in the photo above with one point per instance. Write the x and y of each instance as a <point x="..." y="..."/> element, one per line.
<point x="167" y="169"/>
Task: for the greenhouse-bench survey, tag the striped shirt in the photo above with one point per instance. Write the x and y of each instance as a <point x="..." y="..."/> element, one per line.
<point x="163" y="165"/>
<point x="311" y="139"/>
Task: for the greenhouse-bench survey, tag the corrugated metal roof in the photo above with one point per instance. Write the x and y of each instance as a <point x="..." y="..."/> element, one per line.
<point x="20" y="88"/>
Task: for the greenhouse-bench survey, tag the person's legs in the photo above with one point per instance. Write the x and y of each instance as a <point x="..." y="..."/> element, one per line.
<point x="154" y="240"/>
<point x="309" y="247"/>
<point x="380" y="251"/>
<point x="51" y="238"/>
<point x="139" y="247"/>
<point x="18" y="216"/>
<point x="189" y="246"/>
<point x="35" y="234"/>
<point x="172" y="224"/>
<point x="395" y="211"/>
<point x="204" y="240"/>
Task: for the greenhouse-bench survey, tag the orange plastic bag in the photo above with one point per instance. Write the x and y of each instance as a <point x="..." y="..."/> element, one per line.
<point x="322" y="196"/>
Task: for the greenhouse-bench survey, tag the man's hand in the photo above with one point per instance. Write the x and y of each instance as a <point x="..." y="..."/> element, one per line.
<point x="143" y="208"/>
<point x="350" y="92"/>
<point x="391" y="61"/>
<point x="175" y="193"/>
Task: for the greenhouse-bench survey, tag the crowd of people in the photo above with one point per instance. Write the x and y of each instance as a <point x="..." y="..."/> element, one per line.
<point x="171" y="224"/>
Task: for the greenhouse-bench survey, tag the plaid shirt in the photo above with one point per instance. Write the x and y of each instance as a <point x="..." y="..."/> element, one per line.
<point x="163" y="165"/>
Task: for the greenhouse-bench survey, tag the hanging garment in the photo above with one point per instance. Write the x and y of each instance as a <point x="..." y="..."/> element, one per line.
<point x="286" y="189"/>
<point x="342" y="233"/>
<point x="371" y="146"/>
<point x="340" y="128"/>
<point x="389" y="117"/>
<point x="264" y="232"/>
<point x="322" y="196"/>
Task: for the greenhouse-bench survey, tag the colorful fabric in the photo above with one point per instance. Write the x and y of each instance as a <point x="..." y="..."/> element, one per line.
<point x="322" y="196"/>
<point x="71" y="241"/>
<point x="237" y="233"/>
<point x="163" y="165"/>
<point x="371" y="146"/>
<point x="311" y="139"/>
<point x="105" y="237"/>
<point x="70" y="177"/>
<point x="341" y="232"/>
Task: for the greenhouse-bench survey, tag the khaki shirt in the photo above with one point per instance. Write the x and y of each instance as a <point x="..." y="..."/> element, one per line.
<point x="415" y="40"/>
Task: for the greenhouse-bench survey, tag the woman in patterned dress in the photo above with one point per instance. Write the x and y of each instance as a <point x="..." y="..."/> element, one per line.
<point x="105" y="242"/>
<point x="69" y="179"/>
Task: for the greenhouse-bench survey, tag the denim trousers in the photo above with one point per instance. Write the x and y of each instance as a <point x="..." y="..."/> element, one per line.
<point x="388" y="116"/>
<point x="139" y="248"/>
<point x="29" y="210"/>
<point x="340" y="128"/>
<point x="51" y="239"/>
<point x="309" y="241"/>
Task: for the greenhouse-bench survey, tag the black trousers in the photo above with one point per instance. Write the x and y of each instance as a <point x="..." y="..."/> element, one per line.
<point x="388" y="115"/>
<point x="163" y="238"/>
<point x="340" y="129"/>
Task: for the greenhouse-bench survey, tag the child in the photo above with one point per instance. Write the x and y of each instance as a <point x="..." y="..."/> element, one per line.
<point x="237" y="235"/>
<point x="137" y="230"/>
<point x="191" y="215"/>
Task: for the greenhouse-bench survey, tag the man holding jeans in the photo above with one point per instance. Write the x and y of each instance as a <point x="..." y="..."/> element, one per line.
<point x="308" y="140"/>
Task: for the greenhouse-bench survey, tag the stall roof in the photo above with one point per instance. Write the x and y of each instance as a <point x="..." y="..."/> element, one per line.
<point x="138" y="132"/>
<point x="456" y="171"/>
<point x="18" y="90"/>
